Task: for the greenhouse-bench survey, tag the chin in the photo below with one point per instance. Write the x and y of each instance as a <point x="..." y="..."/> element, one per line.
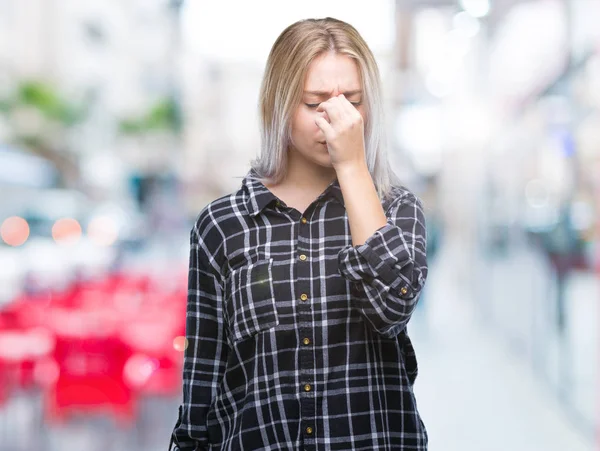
<point x="324" y="162"/>
<point x="319" y="157"/>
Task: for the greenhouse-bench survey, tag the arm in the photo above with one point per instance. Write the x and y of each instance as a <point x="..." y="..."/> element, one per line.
<point x="365" y="213"/>
<point x="387" y="259"/>
<point x="206" y="352"/>
<point x="389" y="269"/>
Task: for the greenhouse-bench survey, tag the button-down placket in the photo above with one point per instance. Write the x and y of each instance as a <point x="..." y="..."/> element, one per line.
<point x="306" y="354"/>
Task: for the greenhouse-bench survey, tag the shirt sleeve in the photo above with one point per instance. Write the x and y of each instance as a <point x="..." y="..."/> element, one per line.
<point x="389" y="270"/>
<point x="206" y="349"/>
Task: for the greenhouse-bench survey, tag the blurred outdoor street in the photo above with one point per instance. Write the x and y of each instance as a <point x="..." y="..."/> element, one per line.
<point x="121" y="119"/>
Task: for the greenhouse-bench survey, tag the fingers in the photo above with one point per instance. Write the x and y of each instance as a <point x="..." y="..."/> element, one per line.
<point x="333" y="108"/>
<point x="346" y="106"/>
<point x="339" y="108"/>
<point x="325" y="127"/>
<point x="352" y="113"/>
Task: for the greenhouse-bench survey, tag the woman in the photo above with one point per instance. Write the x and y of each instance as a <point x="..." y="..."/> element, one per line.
<point x="302" y="282"/>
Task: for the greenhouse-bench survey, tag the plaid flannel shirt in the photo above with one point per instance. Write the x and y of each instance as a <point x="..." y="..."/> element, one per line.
<point x="296" y="338"/>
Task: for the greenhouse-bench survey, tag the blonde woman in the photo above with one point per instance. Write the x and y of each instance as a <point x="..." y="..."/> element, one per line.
<point x="302" y="282"/>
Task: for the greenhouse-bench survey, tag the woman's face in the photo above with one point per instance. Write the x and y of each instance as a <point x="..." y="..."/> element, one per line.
<point x="329" y="75"/>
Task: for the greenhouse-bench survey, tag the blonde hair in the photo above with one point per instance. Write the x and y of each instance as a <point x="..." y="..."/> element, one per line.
<point x="282" y="88"/>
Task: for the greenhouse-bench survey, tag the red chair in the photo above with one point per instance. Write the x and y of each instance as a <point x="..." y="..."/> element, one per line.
<point x="90" y="359"/>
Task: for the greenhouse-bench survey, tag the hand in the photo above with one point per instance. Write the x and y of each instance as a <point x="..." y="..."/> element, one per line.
<point x="344" y="133"/>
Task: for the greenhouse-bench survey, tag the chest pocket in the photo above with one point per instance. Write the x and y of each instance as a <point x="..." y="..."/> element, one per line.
<point x="249" y="300"/>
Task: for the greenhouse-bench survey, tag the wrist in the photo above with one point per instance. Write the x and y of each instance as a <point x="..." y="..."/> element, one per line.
<point x="351" y="169"/>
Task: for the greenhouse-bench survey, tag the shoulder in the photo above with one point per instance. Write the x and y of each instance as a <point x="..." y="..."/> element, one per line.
<point x="400" y="195"/>
<point x="217" y="213"/>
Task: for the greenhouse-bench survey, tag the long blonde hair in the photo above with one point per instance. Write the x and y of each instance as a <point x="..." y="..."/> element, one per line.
<point x="282" y="88"/>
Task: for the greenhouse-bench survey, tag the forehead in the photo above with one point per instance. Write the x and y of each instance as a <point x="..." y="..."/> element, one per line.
<point x="332" y="72"/>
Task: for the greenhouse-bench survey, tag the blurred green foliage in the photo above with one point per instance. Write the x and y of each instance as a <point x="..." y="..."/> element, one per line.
<point x="45" y="99"/>
<point x="53" y="116"/>
<point x="48" y="101"/>
<point x="162" y="116"/>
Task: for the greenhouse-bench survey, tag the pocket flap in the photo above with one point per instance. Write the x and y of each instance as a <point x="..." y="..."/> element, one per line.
<point x="250" y="302"/>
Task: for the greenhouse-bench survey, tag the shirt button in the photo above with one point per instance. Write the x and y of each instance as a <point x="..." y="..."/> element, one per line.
<point x="304" y="220"/>
<point x="306" y="341"/>
<point x="303" y="257"/>
<point x="307" y="387"/>
<point x="403" y="290"/>
<point x="304" y="297"/>
<point x="309" y="430"/>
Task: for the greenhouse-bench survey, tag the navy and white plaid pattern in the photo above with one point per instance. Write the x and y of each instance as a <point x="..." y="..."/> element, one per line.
<point x="296" y="338"/>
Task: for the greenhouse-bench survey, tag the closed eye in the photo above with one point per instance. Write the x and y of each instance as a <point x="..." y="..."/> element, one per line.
<point x="314" y="105"/>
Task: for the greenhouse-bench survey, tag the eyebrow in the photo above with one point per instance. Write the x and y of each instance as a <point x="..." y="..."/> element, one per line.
<point x="325" y="93"/>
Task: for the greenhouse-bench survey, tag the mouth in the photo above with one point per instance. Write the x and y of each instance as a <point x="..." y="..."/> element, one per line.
<point x="322" y="142"/>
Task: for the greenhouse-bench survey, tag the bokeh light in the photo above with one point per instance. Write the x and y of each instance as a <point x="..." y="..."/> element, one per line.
<point x="180" y="343"/>
<point x="66" y="231"/>
<point x="138" y="369"/>
<point x="476" y="8"/>
<point x="103" y="231"/>
<point x="14" y="231"/>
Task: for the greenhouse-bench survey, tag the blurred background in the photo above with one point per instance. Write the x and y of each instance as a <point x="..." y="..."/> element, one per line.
<point x="120" y="120"/>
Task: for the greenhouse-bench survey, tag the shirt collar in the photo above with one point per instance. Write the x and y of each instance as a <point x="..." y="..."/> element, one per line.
<point x="258" y="196"/>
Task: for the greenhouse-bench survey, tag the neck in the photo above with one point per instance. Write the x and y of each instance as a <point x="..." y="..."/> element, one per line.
<point x="307" y="175"/>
